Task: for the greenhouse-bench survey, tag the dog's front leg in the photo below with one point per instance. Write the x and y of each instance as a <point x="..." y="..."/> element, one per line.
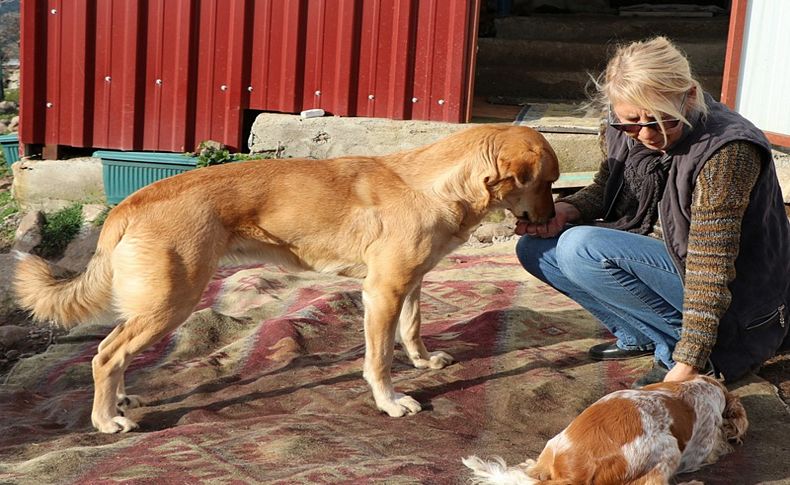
<point x="409" y="327"/>
<point x="383" y="302"/>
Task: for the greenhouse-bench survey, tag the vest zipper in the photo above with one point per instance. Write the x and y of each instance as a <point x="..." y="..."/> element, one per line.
<point x="782" y="316"/>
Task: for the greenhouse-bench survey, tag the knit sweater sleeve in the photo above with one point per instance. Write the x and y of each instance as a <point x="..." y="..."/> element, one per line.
<point x="590" y="200"/>
<point x="719" y="201"/>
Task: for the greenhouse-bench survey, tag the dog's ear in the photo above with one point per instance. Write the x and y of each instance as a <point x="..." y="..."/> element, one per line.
<point x="735" y="421"/>
<point x="518" y="161"/>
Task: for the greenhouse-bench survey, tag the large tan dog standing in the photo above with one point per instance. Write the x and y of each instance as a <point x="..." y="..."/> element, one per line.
<point x="386" y="219"/>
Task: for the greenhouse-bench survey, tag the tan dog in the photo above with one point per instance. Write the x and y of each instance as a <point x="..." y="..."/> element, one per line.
<point x="386" y="219"/>
<point x="633" y="437"/>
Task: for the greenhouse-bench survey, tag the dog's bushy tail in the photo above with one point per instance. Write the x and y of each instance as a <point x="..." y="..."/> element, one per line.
<point x="67" y="301"/>
<point x="497" y="472"/>
<point x="70" y="301"/>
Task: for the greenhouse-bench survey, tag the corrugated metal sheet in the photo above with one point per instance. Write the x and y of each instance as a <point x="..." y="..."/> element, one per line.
<point x="164" y="75"/>
<point x="762" y="87"/>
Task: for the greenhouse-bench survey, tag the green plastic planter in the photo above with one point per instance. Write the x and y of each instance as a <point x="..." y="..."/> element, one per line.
<point x="125" y="172"/>
<point x="10" y="144"/>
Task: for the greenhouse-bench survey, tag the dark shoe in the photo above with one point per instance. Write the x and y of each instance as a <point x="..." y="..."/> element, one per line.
<point x="612" y="352"/>
<point x="654" y="375"/>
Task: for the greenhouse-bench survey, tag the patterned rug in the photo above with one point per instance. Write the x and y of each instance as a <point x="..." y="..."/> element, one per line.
<point x="263" y="384"/>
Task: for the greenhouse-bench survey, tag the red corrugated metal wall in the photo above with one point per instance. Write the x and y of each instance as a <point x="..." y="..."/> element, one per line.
<point x="164" y="75"/>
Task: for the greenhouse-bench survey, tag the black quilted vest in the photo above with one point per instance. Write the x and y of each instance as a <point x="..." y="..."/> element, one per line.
<point x="756" y="322"/>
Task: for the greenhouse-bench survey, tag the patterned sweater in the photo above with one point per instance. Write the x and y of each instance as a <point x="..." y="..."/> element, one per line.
<point x="720" y="198"/>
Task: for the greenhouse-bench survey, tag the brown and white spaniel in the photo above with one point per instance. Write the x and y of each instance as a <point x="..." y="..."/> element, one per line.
<point x="642" y="436"/>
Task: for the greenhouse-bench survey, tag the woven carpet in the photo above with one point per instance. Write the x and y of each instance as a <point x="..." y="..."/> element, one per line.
<point x="263" y="384"/>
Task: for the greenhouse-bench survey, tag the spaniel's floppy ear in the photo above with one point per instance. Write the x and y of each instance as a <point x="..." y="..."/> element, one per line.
<point x="735" y="421"/>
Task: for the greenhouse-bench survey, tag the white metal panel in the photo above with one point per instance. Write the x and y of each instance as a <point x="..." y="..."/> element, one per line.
<point x="763" y="94"/>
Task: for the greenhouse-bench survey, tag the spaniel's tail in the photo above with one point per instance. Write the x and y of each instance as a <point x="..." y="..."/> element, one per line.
<point x="497" y="472"/>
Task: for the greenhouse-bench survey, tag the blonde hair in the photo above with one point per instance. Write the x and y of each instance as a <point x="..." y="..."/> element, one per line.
<point x="654" y="75"/>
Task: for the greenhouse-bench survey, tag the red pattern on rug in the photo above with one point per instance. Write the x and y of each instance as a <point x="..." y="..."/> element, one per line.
<point x="263" y="384"/>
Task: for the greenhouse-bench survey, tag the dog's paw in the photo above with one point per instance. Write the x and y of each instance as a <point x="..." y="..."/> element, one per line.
<point x="400" y="405"/>
<point x="437" y="360"/>
<point x="129" y="402"/>
<point x="116" y="424"/>
<point x="440" y="360"/>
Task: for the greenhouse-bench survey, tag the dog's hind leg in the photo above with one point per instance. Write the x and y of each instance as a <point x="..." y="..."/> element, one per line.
<point x="659" y="475"/>
<point x="124" y="401"/>
<point x="383" y="298"/>
<point x="409" y="327"/>
<point x="156" y="284"/>
<point x="137" y="334"/>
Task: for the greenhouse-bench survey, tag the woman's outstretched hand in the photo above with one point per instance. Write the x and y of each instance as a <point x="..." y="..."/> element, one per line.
<point x="563" y="214"/>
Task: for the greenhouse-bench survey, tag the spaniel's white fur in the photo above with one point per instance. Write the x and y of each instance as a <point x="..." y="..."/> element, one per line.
<point x="643" y="436"/>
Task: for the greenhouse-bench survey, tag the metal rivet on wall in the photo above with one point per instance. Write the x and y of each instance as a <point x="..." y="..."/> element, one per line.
<point x="318" y="92"/>
<point x="371" y="97"/>
<point x="107" y="78"/>
<point x="53" y="11"/>
<point x="158" y="82"/>
<point x="249" y="88"/>
<point x="414" y="100"/>
<point x="441" y="101"/>
<point x="223" y="87"/>
<point x="49" y="105"/>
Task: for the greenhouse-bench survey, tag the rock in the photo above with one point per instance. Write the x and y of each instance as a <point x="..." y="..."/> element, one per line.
<point x="28" y="234"/>
<point x="14" y="124"/>
<point x="211" y="145"/>
<point x="11" y="335"/>
<point x="80" y="250"/>
<point x="7" y="107"/>
<point x="7" y="304"/>
<point x="12" y="354"/>
<point x="490" y="230"/>
<point x="3" y="127"/>
<point x="91" y="212"/>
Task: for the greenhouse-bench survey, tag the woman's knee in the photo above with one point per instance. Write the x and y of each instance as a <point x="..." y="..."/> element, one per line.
<point x="582" y="248"/>
<point x="530" y="251"/>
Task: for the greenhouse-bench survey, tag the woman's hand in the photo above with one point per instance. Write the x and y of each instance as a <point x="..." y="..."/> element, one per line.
<point x="680" y="372"/>
<point x="563" y="214"/>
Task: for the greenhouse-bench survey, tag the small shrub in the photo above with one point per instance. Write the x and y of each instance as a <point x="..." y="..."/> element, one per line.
<point x="212" y="153"/>
<point x="59" y="229"/>
<point x="12" y="95"/>
<point x="99" y="221"/>
<point x="8" y="205"/>
<point x="8" y="208"/>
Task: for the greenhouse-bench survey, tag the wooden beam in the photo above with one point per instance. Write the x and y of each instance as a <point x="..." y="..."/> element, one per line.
<point x="732" y="59"/>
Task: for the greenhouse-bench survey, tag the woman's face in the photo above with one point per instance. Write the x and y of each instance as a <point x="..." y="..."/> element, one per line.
<point x="650" y="136"/>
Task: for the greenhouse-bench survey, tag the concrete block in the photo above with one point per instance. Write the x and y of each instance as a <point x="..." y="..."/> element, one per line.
<point x="328" y="137"/>
<point x="50" y="185"/>
<point x="334" y="136"/>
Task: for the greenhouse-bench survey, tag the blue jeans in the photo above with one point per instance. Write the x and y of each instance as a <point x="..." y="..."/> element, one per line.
<point x="625" y="280"/>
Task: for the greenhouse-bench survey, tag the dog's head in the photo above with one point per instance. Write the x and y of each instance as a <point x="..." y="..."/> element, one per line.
<point x="525" y="168"/>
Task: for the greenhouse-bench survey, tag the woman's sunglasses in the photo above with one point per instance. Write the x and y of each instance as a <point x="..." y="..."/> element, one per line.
<point x="636" y="127"/>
